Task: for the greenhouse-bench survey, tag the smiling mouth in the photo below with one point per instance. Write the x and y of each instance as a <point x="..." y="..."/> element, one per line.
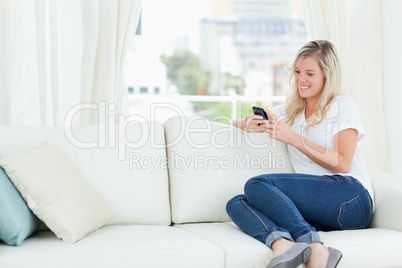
<point x="304" y="87"/>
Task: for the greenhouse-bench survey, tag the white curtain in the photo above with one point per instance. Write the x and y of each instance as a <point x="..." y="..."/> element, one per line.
<point x="64" y="57"/>
<point x="368" y="37"/>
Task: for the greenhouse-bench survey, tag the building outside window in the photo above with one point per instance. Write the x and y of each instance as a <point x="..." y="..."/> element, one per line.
<point x="218" y="58"/>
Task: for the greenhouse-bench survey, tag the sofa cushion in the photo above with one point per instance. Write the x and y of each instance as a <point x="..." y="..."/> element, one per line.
<point x="388" y="199"/>
<point x="17" y="221"/>
<point x="241" y="250"/>
<point x="126" y="164"/>
<point x="210" y="162"/>
<point x="372" y="247"/>
<point x="117" y="246"/>
<point x="369" y="248"/>
<point x="57" y="192"/>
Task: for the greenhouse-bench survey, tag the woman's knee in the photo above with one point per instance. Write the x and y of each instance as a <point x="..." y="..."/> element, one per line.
<point x="233" y="205"/>
<point x="257" y="182"/>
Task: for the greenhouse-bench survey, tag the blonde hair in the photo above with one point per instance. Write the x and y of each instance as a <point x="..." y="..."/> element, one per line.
<point x="325" y="54"/>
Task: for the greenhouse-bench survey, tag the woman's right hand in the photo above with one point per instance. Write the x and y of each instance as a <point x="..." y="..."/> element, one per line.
<point x="256" y="124"/>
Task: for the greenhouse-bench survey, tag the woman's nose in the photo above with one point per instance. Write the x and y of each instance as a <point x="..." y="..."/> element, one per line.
<point x="303" y="78"/>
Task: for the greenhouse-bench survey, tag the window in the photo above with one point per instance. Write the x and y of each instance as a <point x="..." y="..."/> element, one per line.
<point x="218" y="58"/>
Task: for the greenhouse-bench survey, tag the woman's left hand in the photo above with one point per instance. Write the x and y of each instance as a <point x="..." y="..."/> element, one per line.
<point x="278" y="130"/>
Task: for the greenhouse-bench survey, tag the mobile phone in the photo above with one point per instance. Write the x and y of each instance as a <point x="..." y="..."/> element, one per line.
<point x="260" y="111"/>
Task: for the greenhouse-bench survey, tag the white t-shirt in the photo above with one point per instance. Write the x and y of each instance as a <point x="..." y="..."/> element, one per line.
<point x="343" y="114"/>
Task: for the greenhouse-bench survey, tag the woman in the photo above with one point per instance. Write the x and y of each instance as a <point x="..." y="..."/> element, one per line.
<point x="331" y="188"/>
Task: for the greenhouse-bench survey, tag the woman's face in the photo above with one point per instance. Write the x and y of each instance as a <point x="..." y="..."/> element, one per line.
<point x="309" y="78"/>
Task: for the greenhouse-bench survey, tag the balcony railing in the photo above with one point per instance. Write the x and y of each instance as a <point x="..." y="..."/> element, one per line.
<point x="234" y="100"/>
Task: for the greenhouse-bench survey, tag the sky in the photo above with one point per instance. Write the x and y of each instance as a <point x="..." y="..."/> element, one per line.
<point x="163" y="20"/>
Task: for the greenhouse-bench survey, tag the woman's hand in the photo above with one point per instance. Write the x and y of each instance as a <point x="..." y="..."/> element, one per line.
<point x="256" y="124"/>
<point x="278" y="130"/>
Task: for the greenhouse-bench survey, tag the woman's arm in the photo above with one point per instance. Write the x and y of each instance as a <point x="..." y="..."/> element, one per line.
<point x="338" y="160"/>
<point x="239" y="123"/>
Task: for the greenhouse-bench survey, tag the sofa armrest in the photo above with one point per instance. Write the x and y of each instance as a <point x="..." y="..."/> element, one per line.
<point x="388" y="201"/>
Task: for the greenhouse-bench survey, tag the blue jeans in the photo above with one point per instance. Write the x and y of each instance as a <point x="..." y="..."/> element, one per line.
<point x="294" y="206"/>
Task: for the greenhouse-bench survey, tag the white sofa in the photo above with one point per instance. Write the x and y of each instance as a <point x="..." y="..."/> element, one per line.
<point x="168" y="185"/>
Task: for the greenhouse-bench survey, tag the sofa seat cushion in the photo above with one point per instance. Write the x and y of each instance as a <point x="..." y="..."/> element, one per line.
<point x="361" y="248"/>
<point x="240" y="249"/>
<point x="371" y="247"/>
<point x="116" y="246"/>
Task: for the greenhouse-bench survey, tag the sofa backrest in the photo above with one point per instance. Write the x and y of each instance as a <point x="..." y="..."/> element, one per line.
<point x="210" y="162"/>
<point x="126" y="164"/>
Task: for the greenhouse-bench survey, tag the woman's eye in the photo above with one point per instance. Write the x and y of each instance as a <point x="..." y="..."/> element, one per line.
<point x="310" y="74"/>
<point x="297" y="72"/>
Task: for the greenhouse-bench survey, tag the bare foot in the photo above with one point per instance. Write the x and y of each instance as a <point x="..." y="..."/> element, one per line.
<point x="319" y="256"/>
<point x="281" y="246"/>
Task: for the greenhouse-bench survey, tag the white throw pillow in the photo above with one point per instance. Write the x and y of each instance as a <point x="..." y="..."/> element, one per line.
<point x="57" y="192"/>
